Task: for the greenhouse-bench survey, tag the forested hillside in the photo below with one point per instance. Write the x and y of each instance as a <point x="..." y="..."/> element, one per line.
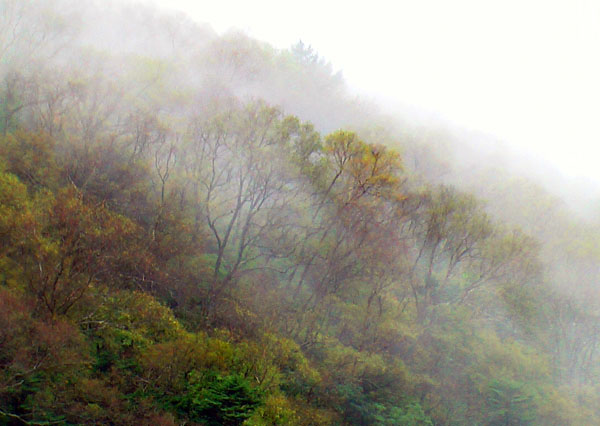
<point x="202" y="229"/>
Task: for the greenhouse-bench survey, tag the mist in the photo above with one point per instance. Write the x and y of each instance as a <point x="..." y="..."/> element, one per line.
<point x="208" y="218"/>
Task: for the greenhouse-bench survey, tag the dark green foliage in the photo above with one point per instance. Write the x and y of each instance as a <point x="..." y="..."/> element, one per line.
<point x="510" y="403"/>
<point x="359" y="408"/>
<point x="217" y="400"/>
<point x="410" y="415"/>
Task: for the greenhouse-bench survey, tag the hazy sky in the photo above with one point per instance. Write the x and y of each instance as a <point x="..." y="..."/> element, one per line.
<point x="527" y="71"/>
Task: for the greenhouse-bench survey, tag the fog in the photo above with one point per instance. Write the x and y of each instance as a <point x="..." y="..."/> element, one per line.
<point x="523" y="72"/>
<point x="329" y="214"/>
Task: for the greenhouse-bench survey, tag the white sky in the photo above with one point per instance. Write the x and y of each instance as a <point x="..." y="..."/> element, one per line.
<point x="527" y="71"/>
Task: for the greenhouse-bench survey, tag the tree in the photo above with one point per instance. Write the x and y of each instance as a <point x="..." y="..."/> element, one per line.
<point x="234" y="162"/>
<point x="510" y="403"/>
<point x="218" y="400"/>
<point x="70" y="247"/>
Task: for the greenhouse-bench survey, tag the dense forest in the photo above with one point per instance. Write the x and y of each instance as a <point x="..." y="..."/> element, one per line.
<point x="202" y="229"/>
